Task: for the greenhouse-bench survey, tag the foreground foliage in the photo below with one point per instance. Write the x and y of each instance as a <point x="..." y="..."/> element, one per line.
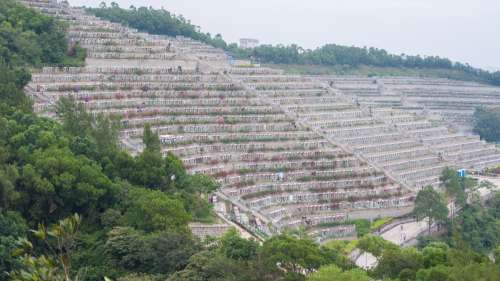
<point x="59" y="239"/>
<point x="51" y="170"/>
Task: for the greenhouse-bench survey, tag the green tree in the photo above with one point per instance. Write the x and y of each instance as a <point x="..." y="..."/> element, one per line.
<point x="12" y="226"/>
<point x="431" y="205"/>
<point x="211" y="266"/>
<point x="76" y="120"/>
<point x="292" y="255"/>
<point x="375" y="245"/>
<point x="123" y="248"/>
<point x="55" y="183"/>
<point x="12" y="82"/>
<point x="479" y="225"/>
<point x="475" y="271"/>
<point x="399" y="263"/>
<point x="128" y="251"/>
<point x="237" y="248"/>
<point x="151" y="140"/>
<point x="59" y="239"/>
<point x="8" y="193"/>
<point x="455" y="186"/>
<point x="435" y="254"/>
<point x="152" y="210"/>
<point x="487" y="124"/>
<point x="436" y="273"/>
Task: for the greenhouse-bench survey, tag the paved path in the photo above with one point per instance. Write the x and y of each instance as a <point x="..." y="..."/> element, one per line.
<point x="399" y="235"/>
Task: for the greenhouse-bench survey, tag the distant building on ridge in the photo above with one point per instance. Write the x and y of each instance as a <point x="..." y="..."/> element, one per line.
<point x="248" y="43"/>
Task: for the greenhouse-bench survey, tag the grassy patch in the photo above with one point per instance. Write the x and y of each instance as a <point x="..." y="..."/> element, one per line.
<point x="379" y="222"/>
<point x="343" y="246"/>
<point x="362" y="227"/>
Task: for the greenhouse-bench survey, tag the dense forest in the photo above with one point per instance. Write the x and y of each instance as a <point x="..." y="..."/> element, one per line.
<point x="160" y="21"/>
<point x="487" y="124"/>
<point x="74" y="206"/>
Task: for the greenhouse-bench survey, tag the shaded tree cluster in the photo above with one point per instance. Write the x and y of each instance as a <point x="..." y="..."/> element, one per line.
<point x="50" y="170"/>
<point x="487" y="124"/>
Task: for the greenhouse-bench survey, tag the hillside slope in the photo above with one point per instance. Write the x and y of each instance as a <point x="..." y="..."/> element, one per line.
<point x="330" y="57"/>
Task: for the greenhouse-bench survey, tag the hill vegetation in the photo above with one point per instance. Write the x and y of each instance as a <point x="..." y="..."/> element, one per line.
<point x="51" y="170"/>
<point x="155" y="21"/>
<point x="30" y="39"/>
<point x="132" y="212"/>
<point x="487" y="124"/>
<point x="162" y="22"/>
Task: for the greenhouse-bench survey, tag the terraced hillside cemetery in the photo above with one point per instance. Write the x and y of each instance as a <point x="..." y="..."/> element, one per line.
<point x="449" y="101"/>
<point x="288" y="151"/>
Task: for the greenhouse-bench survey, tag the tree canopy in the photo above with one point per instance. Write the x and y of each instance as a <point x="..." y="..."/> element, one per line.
<point x="431" y="205"/>
<point x="29" y="38"/>
<point x="480" y="226"/>
<point x="487" y="124"/>
<point x="456" y="186"/>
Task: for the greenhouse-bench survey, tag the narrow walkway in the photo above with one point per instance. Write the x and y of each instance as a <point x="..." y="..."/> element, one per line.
<point x="399" y="235"/>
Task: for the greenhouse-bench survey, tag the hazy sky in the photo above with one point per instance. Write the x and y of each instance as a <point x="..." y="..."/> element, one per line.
<point x="462" y="30"/>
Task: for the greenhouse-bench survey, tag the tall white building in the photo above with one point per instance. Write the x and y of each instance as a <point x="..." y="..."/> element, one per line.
<point x="248" y="43"/>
